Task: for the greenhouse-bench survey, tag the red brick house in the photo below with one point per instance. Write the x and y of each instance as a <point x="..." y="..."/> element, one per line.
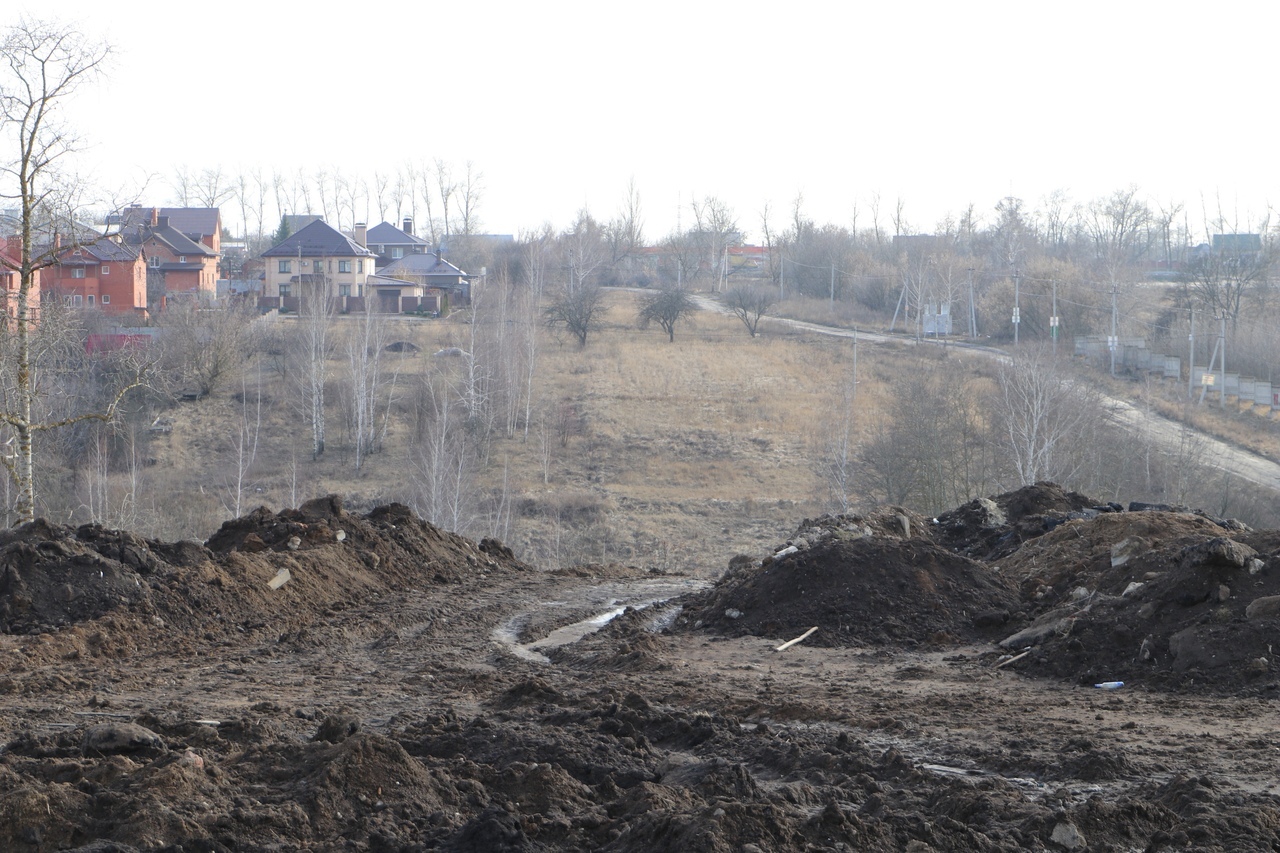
<point x="11" y="278"/>
<point x="103" y="274"/>
<point x="181" y="246"/>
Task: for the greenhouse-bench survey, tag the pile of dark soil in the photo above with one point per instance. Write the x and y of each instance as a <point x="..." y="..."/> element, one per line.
<point x="1168" y="599"/>
<point x="867" y="590"/>
<point x="115" y="593"/>
<point x="1163" y="599"/>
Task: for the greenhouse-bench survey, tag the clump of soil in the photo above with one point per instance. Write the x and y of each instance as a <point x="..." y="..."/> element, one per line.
<point x="868" y="590"/>
<point x="990" y="528"/>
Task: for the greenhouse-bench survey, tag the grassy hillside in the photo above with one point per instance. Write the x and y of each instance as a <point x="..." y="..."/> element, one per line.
<point x="664" y="455"/>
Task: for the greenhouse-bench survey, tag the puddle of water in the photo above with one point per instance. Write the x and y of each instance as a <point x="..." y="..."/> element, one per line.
<point x="661" y="592"/>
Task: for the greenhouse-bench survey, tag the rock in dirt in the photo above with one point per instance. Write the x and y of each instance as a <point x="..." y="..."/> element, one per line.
<point x="1067" y="836"/>
<point x="1263" y="607"/>
<point x="120" y="739"/>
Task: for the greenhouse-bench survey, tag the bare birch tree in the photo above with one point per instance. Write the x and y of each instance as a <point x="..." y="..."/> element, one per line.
<point x="43" y="66"/>
<point x="1044" y="416"/>
<point x="312" y="352"/>
<point x="365" y="342"/>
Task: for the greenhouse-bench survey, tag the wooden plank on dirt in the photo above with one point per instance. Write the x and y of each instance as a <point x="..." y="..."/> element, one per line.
<point x="789" y="643"/>
<point x="282" y="577"/>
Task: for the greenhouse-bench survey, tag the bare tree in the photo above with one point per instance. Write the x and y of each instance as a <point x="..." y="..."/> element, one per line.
<point x="243" y="446"/>
<point x="312" y="353"/>
<point x="839" y="452"/>
<point x="1222" y="278"/>
<point x="365" y="341"/>
<point x="43" y="66"/>
<point x="446" y="186"/>
<point x="750" y="303"/>
<point x="626" y="231"/>
<point x="578" y="307"/>
<point x="469" y="193"/>
<point x="1044" y="416"/>
<point x="203" y="348"/>
<point x="666" y="307"/>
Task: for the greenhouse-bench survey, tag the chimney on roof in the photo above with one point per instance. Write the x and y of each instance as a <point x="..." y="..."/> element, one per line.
<point x="161" y="222"/>
<point x="155" y="215"/>
<point x="408" y="225"/>
<point x="362" y="234"/>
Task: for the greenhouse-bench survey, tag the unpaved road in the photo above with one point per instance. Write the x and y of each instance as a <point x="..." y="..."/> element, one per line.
<point x="1248" y="466"/>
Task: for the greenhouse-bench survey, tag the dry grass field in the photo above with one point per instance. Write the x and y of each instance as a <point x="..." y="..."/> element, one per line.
<point x="661" y="455"/>
<point x="664" y="455"/>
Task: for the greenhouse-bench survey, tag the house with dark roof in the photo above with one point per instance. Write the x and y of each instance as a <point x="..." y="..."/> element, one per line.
<point x="424" y="275"/>
<point x="199" y="224"/>
<point x="391" y="244"/>
<point x="319" y="259"/>
<point x="177" y="266"/>
<point x="104" y="274"/>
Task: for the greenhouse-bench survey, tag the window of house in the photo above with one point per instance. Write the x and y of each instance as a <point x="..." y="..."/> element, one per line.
<point x="344" y="266"/>
<point x="106" y="299"/>
<point x="285" y="291"/>
<point x="106" y="270"/>
<point x="78" y="272"/>
<point x="90" y="297"/>
<point x="182" y="259"/>
<point x="76" y="299"/>
<point x="344" y="290"/>
<point x="360" y="265"/>
<point x="397" y="252"/>
<point x="283" y="267"/>
<point x="154" y="260"/>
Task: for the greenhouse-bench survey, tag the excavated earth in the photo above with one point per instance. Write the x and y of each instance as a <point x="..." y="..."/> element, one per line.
<point x="315" y="679"/>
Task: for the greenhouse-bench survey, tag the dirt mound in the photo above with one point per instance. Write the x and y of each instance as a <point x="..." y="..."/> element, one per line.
<point x="990" y="528"/>
<point x="872" y="589"/>
<point x="1160" y="599"/>
<point x="94" y="592"/>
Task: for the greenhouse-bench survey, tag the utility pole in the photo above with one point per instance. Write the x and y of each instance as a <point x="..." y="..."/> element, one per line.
<point x="1191" y="353"/>
<point x="782" y="278"/>
<point x="855" y="363"/>
<point x="1053" y="318"/>
<point x="1114" y="342"/>
<point x="1016" y="319"/>
<point x="973" y="318"/>
<point x="833" y="287"/>
<point x="1222" y="339"/>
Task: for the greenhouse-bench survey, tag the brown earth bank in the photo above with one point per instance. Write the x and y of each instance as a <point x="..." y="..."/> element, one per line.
<point x="315" y="679"/>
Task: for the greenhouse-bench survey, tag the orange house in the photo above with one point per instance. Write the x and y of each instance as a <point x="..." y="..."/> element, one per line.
<point x="103" y="274"/>
<point x="11" y="279"/>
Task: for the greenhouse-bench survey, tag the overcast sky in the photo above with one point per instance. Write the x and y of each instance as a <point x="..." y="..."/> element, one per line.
<point x="560" y="104"/>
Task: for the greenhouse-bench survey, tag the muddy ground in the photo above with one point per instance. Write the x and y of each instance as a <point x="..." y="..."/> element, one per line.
<point x="319" y="680"/>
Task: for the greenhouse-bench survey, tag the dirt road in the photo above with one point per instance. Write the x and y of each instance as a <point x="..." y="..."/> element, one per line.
<point x="1249" y="467"/>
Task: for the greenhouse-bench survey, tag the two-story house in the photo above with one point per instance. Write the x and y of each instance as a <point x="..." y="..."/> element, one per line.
<point x="178" y="264"/>
<point x="317" y="260"/>
<point x="391" y="244"/>
<point x="103" y="274"/>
